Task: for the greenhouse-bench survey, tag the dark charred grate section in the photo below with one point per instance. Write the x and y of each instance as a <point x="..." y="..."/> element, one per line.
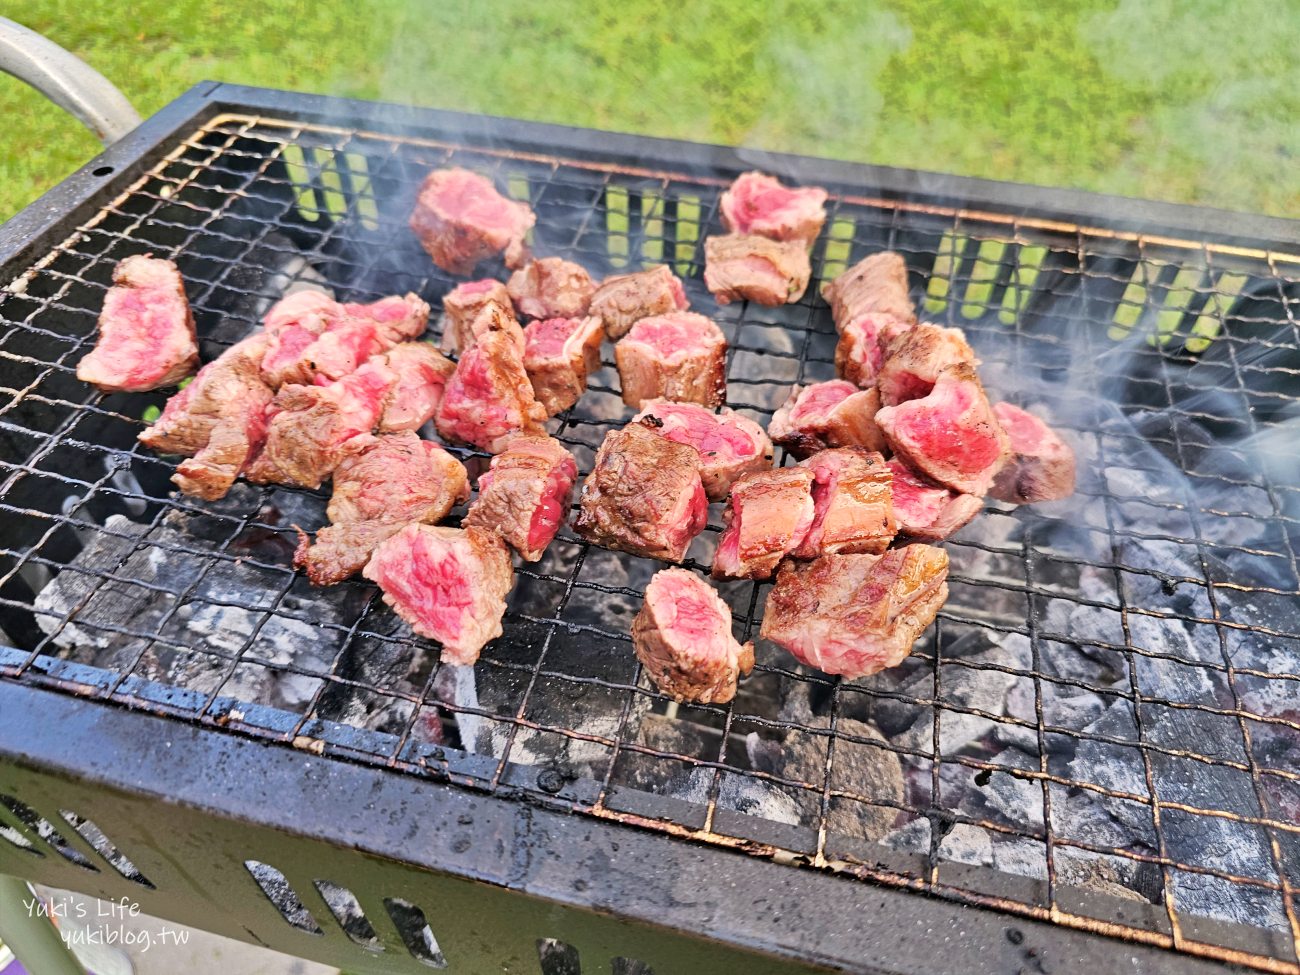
<point x="1100" y="729"/>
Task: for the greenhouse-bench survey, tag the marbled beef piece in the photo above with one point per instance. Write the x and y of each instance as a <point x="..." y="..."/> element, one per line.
<point x="952" y="435"/>
<point x="914" y="358"/>
<point x="488" y="399"/>
<point x="748" y="267"/>
<point x="551" y="288"/>
<point x="623" y="300"/>
<point x="422" y="373"/>
<point x="383" y="484"/>
<point x="644" y="495"/>
<point x="559" y="355"/>
<point x="875" y="285"/>
<point x="834" y="413"/>
<point x="855" y="615"/>
<point x="492" y="317"/>
<point x="860" y="351"/>
<point x="218" y="421"/>
<point x="758" y="204"/>
<point x="852" y="503"/>
<point x="397" y="318"/>
<point x="680" y="356"/>
<point x="728" y="443"/>
<point x="925" y="511"/>
<point x="683" y="638"/>
<point x="146" y="332"/>
<point x="1041" y="467"/>
<point x="448" y="584"/>
<point x="767" y="517"/>
<point x="461" y="220"/>
<point x="526" y="494"/>
<point x="463" y="304"/>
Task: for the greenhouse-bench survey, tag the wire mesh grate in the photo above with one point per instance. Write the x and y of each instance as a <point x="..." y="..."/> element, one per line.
<point x="1100" y="729"/>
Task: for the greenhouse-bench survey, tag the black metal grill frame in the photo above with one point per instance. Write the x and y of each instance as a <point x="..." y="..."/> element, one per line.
<point x="1087" y="275"/>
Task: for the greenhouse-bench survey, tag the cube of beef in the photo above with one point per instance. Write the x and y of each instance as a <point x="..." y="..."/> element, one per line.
<point x="875" y="285"/>
<point x="551" y="288"/>
<point x="422" y="373"/>
<point x="559" y="355"/>
<point x="382" y="485"/>
<point x="767" y="517"/>
<point x="623" y="300"/>
<point x="448" y="584"/>
<point x="758" y="204"/>
<point x="926" y="511"/>
<point x="146" y="332"/>
<point x="461" y="220"/>
<point x="729" y="444"/>
<point x="218" y="421"/>
<point x="492" y="317"/>
<point x="852" y="503"/>
<point x="644" y="495"/>
<point x="830" y="414"/>
<point x="860" y="352"/>
<point x="488" y="399"/>
<point x="683" y="638"/>
<point x="855" y="615"/>
<point x="913" y="360"/>
<point x="951" y="435"/>
<point x="1041" y="467"/>
<point x="526" y="494"/>
<point x="463" y="304"/>
<point x="681" y="357"/>
<point x="398" y="318"/>
<point x="747" y="267"/>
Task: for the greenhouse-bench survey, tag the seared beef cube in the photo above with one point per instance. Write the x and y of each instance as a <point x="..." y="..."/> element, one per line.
<point x="461" y="219"/>
<point x="644" y="495"/>
<point x="559" y="355"/>
<point x="1041" y="467"/>
<point x="551" y="288"/>
<point x="448" y="584"/>
<point x="860" y="352"/>
<point x="146" y="332"/>
<point x="852" y="503"/>
<point x="681" y="357"/>
<point x="397" y="317"/>
<point x="830" y="414"/>
<point x="525" y="496"/>
<point x="383" y="484"/>
<point x="218" y="421"/>
<point x="310" y="426"/>
<point x="682" y="637"/>
<point x="729" y="444"/>
<point x="462" y="305"/>
<point x="492" y="317"/>
<point x="625" y="299"/>
<point x="747" y="267"/>
<point x="855" y="615"/>
<point x="758" y="204"/>
<point x="875" y="285"/>
<point x="767" y="517"/>
<point x="926" y="511"/>
<point x="913" y="360"/>
<point x="488" y="399"/>
<point x="952" y="435"/>
<point x="422" y="373"/>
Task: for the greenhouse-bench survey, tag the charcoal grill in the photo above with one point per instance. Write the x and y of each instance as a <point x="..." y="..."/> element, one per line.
<point x="1088" y="760"/>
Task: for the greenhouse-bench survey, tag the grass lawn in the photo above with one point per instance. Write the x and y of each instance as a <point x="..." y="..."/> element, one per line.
<point x="1137" y="97"/>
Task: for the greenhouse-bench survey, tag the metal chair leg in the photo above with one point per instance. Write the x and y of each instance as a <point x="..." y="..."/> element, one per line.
<point x="31" y="936"/>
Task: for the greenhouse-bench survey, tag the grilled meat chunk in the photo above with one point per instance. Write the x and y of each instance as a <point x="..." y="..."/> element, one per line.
<point x="747" y="267"/>
<point x="559" y="355"/>
<point x="767" y="517"/>
<point x="448" y="584"/>
<point x="488" y="399"/>
<point x="461" y="220"/>
<point x="758" y="204"/>
<point x="852" y="503"/>
<point x="218" y="421"/>
<point x="951" y="435"/>
<point x="398" y="318"/>
<point x="682" y="637"/>
<point x="625" y="299"/>
<point x="1041" y="467"/>
<point x="680" y="356"/>
<point x="875" y="285"/>
<point x="422" y="373"/>
<point x="525" y="496"/>
<point x="830" y="414"/>
<point x="860" y="352"/>
<point x="914" y="358"/>
<point x="462" y="305"/>
<point x="925" y="511"/>
<point x="855" y="615"/>
<point x="644" y="495"/>
<point x="146" y="332"/>
<point x="729" y="444"/>
<point x="383" y="484"/>
<point x="551" y="288"/>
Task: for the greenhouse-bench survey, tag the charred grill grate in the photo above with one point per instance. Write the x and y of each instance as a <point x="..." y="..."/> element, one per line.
<point x="1100" y="730"/>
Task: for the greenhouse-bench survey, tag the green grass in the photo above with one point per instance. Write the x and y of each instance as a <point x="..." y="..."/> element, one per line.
<point x="1139" y="97"/>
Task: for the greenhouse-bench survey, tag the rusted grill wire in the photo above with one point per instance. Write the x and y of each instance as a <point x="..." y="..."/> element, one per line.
<point x="1191" y="339"/>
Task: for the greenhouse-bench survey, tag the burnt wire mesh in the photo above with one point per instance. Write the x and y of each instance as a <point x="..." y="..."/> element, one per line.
<point x="1101" y="727"/>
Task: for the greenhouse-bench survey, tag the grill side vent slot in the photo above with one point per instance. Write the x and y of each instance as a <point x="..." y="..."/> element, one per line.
<point x="114" y="857"/>
<point x="279" y="892"/>
<point x="345" y="907"/>
<point x="41" y="827"/>
<point x="415" y="932"/>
